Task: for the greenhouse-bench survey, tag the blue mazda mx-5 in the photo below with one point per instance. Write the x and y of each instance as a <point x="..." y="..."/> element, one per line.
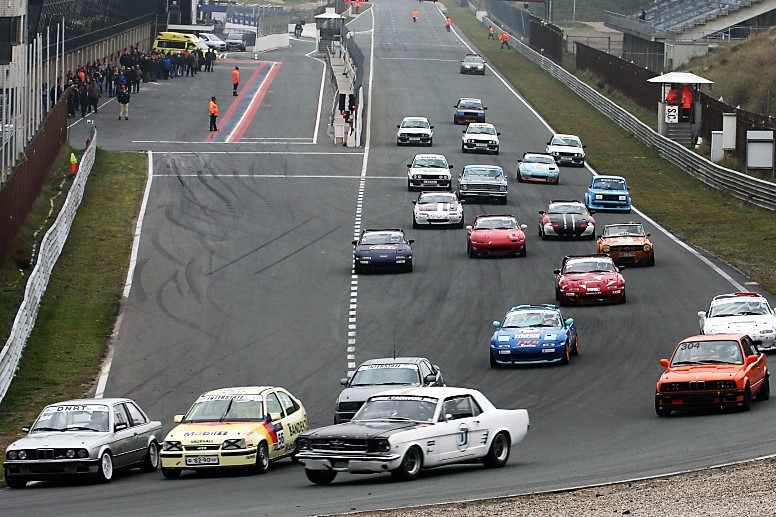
<point x="382" y="249"/>
<point x="608" y="193"/>
<point x="532" y="334"/>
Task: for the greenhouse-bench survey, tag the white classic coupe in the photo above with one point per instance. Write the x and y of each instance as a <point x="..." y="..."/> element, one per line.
<point x="405" y="430"/>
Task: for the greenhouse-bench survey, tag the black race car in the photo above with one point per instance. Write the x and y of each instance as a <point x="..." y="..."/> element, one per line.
<point x="473" y="64"/>
<point x="382" y="249"/>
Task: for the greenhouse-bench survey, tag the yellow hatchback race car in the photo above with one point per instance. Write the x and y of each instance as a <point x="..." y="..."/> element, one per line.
<point x="244" y="427"/>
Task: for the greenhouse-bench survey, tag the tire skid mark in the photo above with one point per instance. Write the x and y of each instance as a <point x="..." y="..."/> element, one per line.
<point x="298" y="250"/>
<point x="162" y="251"/>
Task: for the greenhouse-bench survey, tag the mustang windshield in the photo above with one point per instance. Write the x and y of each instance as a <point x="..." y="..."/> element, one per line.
<point x="388" y="374"/>
<point x="523" y="319"/>
<point x="624" y="230"/>
<point x="382" y="238"/>
<point x="482" y="172"/>
<point x="217" y="408"/>
<point x="91" y="417"/>
<point x="398" y="407"/>
<point x="566" y="141"/>
<point x="608" y="184"/>
<point x="708" y="352"/>
<point x="739" y="308"/>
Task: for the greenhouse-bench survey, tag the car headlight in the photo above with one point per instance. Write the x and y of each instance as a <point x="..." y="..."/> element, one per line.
<point x="470" y="141"/>
<point x="302" y="444"/>
<point x="416" y="176"/>
<point x="503" y="188"/>
<point x="647" y="247"/>
<point x="22" y="455"/>
<point x="605" y="248"/>
<point x="599" y="196"/>
<point x="381" y="445"/>
<point x="171" y="446"/>
<point x="12" y="455"/>
<point x="462" y="187"/>
<point x="623" y="198"/>
<point x="83" y="453"/>
<point x="70" y="454"/>
<point x="480" y="67"/>
<point x="234" y="443"/>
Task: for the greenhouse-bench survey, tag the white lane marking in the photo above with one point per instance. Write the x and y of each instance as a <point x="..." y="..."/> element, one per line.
<point x="286" y="176"/>
<point x="285" y="153"/>
<point x="242" y="141"/>
<point x="418" y="59"/>
<point x="258" y="96"/>
<point x="662" y="230"/>
<point x="350" y="355"/>
<point x="320" y="95"/>
<point x="106" y="365"/>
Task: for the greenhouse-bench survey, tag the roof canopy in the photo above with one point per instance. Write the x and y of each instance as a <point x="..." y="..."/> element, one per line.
<point x="680" y="78"/>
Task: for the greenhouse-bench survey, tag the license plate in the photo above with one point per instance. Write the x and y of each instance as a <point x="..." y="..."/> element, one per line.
<point x="414" y="138"/>
<point x="429" y="182"/>
<point x="627" y="254"/>
<point x="504" y="352"/>
<point x="202" y="460"/>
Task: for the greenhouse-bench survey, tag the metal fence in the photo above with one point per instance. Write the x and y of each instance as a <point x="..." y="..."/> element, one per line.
<point x="543" y="37"/>
<point x="752" y="190"/>
<point x="355" y="54"/>
<point x="50" y="249"/>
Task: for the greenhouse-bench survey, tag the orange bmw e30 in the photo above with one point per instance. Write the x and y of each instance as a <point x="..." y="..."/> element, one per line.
<point x="627" y="243"/>
<point x="720" y="371"/>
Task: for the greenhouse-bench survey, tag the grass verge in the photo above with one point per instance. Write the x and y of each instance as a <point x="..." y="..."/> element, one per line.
<point x="709" y="219"/>
<point x="79" y="308"/>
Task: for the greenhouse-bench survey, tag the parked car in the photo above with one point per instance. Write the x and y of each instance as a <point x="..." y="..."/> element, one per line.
<point x="235" y="41"/>
<point x="212" y="41"/>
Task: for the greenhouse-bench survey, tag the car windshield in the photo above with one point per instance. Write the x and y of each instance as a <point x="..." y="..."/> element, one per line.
<point x="609" y="184"/>
<point x="88" y="417"/>
<point x="523" y="319"/>
<point x="415" y="123"/>
<point x="483" y="172"/>
<point x="589" y="266"/>
<point x="382" y="238"/>
<point x="474" y="60"/>
<point x="739" y="307"/>
<point x="436" y="198"/>
<point x="570" y="208"/>
<point x="469" y="105"/>
<point x="218" y="408"/>
<point x="398" y="407"/>
<point x="708" y="352"/>
<point x="480" y="130"/>
<point x="538" y="158"/>
<point x="386" y="374"/>
<point x="568" y="141"/>
<point x="491" y="223"/>
<point x="429" y="163"/>
<point x="624" y="230"/>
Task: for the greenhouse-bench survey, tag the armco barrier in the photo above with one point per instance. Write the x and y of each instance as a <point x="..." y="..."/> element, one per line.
<point x="50" y="249"/>
<point x="752" y="190"/>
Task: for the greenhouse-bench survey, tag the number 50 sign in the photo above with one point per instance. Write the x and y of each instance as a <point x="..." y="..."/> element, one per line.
<point x="672" y="114"/>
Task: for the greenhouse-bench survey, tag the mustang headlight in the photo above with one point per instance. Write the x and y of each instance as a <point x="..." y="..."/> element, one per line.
<point x="12" y="455"/>
<point x="302" y="444"/>
<point x="381" y="445"/>
<point x="462" y="187"/>
<point x="503" y="188"/>
<point x="647" y="247"/>
<point x="172" y="446"/>
<point x="234" y="443"/>
<point x="605" y="248"/>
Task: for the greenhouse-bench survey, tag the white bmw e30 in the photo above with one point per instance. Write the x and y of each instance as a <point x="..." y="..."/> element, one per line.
<point x="406" y="430"/>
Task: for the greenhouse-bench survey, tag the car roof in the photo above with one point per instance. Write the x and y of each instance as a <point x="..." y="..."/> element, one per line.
<point x="377" y="230"/>
<point x="738" y="295"/>
<point x="543" y="306"/>
<point x="714" y="337"/>
<point x="594" y="256"/>
<point x="564" y="135"/>
<point x="414" y="118"/>
<point x="430" y="391"/>
<point x="88" y="401"/>
<point x="486" y="216"/>
<point x="629" y="223"/>
<point x="608" y="177"/>
<point x="240" y="390"/>
<point x="429" y="155"/>
<point x="565" y="201"/>
<point x="397" y="360"/>
<point x="473" y="167"/>
<point x="530" y="153"/>
<point x="473" y="99"/>
<point x="480" y="124"/>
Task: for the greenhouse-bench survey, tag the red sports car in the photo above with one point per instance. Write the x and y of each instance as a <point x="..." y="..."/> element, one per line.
<point x="713" y="372"/>
<point x="589" y="279"/>
<point x="495" y="235"/>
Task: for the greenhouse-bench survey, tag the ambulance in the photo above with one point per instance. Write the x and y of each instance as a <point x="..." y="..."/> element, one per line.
<point x="178" y="41"/>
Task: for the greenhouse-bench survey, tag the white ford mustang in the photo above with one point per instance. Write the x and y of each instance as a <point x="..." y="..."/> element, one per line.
<point x="403" y="431"/>
<point x="741" y="313"/>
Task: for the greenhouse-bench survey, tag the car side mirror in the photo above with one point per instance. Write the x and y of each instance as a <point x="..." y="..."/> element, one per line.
<point x="751" y="359"/>
<point x="26" y="428"/>
<point x="409" y="165"/>
<point x="344" y="381"/>
<point x="449" y="166"/>
<point x="448" y="417"/>
<point x="701" y="314"/>
<point x="647" y="234"/>
<point x="591" y="212"/>
<point x="469" y="227"/>
<point x="355" y="242"/>
<point x="497" y="324"/>
<point x="498" y="133"/>
<point x="398" y="125"/>
<point x="583" y="146"/>
<point x="484" y="107"/>
<point x="556" y="271"/>
<point x="542" y="212"/>
<point x="464" y="131"/>
<point x="569" y="322"/>
<point x="431" y="127"/>
<point x="598" y="236"/>
<point x="519" y="161"/>
<point x="120" y="427"/>
<point x="411" y="241"/>
<point x="414" y="201"/>
<point x="430" y="378"/>
<point x="664" y="363"/>
<point x="523" y="226"/>
<point x="274" y="417"/>
<point x="620" y="268"/>
<point x="177" y="419"/>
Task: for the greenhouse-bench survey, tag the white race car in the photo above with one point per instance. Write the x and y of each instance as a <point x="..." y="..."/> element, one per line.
<point x="566" y="149"/>
<point x="741" y="313"/>
<point x="428" y="171"/>
<point x="437" y="208"/>
<point x="415" y="130"/>
<point x="405" y="430"/>
<point x="480" y="136"/>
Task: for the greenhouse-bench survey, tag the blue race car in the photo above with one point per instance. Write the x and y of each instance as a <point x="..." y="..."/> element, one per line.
<point x="469" y="110"/>
<point x="533" y="334"/>
<point x="608" y="193"/>
<point x="538" y="167"/>
<point x="382" y="249"/>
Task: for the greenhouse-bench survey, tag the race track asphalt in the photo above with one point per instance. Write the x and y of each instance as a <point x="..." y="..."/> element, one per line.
<point x="244" y="278"/>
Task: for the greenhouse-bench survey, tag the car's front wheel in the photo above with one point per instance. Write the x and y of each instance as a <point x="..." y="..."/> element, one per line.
<point x="151" y="460"/>
<point x="409" y="186"/>
<point x="575" y="349"/>
<point x="171" y="473"/>
<point x="498" y="454"/>
<point x="410" y="466"/>
<point x="105" y="468"/>
<point x="408" y="267"/>
<point x="415" y="224"/>
<point x="13" y="482"/>
<point x="262" y="459"/>
<point x="747" y="404"/>
<point x="661" y="412"/>
<point x="765" y="389"/>
<point x="566" y="354"/>
<point x="320" y="477"/>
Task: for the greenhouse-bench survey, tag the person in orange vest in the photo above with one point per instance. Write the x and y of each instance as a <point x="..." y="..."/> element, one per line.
<point x="686" y="96"/>
<point x="358" y="5"/>
<point x="414" y="15"/>
<point x="504" y="38"/>
<point x="491" y="33"/>
<point x="448" y="23"/>
<point x="235" y="80"/>
<point x="213" y="112"/>
<point x="673" y="95"/>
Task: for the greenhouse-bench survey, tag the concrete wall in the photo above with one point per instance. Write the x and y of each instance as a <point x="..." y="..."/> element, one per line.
<point x="270" y="42"/>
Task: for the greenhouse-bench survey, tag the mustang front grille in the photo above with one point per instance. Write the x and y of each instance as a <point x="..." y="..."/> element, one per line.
<point x="483" y="186"/>
<point x="336" y="445"/>
<point x="350" y="406"/>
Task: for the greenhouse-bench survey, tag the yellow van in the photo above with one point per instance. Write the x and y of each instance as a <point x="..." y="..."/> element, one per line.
<point x="178" y="41"/>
